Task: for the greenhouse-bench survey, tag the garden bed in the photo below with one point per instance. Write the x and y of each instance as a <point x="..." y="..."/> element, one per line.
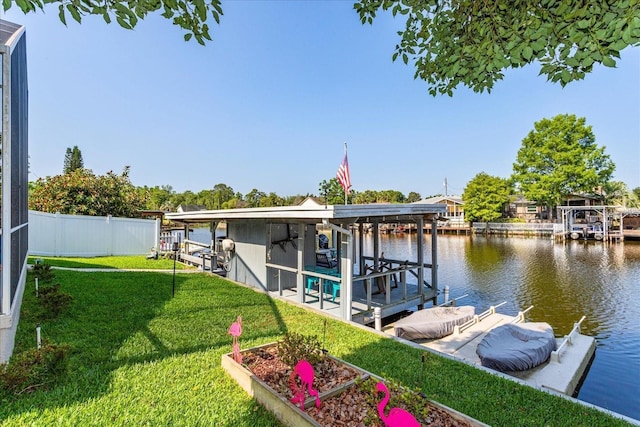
<point x="347" y="393"/>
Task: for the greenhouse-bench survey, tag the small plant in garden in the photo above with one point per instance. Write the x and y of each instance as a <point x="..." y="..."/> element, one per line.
<point x="296" y="347"/>
<point x="33" y="369"/>
<point x="400" y="398"/>
<point x="53" y="301"/>
<point x="43" y="272"/>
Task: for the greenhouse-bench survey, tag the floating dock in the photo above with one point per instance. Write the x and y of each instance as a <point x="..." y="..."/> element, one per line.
<point x="563" y="371"/>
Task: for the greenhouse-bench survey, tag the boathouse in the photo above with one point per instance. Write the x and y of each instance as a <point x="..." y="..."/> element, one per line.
<point x="278" y="250"/>
<point x="597" y="222"/>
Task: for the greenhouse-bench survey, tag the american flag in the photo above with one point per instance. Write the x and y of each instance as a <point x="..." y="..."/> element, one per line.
<point x="343" y="173"/>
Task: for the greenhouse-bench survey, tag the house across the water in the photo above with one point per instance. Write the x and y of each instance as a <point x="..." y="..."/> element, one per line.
<point x="277" y="250"/>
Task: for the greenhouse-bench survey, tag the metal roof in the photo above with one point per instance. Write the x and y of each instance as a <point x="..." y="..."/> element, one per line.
<point x="8" y="32"/>
<point x="588" y="208"/>
<point x="333" y="213"/>
<point x="441" y="200"/>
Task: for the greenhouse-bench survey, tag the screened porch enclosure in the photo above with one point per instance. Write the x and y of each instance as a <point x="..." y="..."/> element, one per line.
<point x="14" y="174"/>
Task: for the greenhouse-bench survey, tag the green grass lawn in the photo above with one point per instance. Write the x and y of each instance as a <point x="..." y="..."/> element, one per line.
<point x="140" y="357"/>
<point x="117" y="262"/>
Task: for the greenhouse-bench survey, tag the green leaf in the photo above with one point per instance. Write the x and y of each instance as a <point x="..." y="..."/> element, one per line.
<point x="626" y="35"/>
<point x="122" y="22"/>
<point x="587" y="62"/>
<point x="584" y="24"/>
<point x="572" y="62"/>
<point x="75" y="14"/>
<point x="608" y="61"/>
<point x="61" y="14"/>
<point x="24" y="5"/>
<point x="527" y="52"/>
<point x="618" y="45"/>
<point x="217" y="7"/>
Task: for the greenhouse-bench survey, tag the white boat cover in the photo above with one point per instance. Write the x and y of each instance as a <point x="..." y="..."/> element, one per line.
<point x="517" y="347"/>
<point x="435" y="322"/>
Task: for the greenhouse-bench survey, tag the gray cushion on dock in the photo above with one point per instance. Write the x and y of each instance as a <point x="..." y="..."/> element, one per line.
<point x="517" y="347"/>
<point x="434" y="322"/>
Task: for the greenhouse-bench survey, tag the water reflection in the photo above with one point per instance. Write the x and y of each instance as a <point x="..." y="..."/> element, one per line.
<point x="563" y="282"/>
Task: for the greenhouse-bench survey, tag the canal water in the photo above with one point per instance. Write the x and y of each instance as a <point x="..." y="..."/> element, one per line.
<point x="563" y="282"/>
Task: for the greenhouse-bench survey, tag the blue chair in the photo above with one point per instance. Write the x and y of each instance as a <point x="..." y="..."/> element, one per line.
<point x="331" y="287"/>
<point x="311" y="282"/>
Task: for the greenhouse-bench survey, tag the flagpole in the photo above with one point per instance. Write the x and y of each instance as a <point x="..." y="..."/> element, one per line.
<point x="345" y="190"/>
<point x="343" y="175"/>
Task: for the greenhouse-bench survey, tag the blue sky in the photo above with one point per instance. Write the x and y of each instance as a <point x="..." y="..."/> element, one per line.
<point x="270" y="101"/>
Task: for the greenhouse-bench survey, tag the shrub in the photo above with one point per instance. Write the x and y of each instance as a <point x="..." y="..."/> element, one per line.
<point x="33" y="369"/>
<point x="53" y="301"/>
<point x="43" y="272"/>
<point x="410" y="400"/>
<point x="296" y="347"/>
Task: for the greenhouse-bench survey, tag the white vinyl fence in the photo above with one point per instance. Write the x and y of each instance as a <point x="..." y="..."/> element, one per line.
<point x="88" y="236"/>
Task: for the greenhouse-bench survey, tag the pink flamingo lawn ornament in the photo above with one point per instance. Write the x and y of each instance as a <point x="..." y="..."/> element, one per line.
<point x="397" y="417"/>
<point x="305" y="371"/>
<point x="235" y="330"/>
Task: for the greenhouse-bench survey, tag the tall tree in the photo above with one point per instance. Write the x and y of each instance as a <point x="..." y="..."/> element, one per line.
<point x="559" y="158"/>
<point x="413" y="197"/>
<point x="222" y="193"/>
<point x="72" y="160"/>
<point x="617" y="193"/>
<point x="366" y="196"/>
<point x="80" y="192"/>
<point x="272" y="199"/>
<point x="451" y="42"/>
<point x="485" y="196"/>
<point x="333" y="193"/>
<point x="254" y="197"/>
<point x="236" y="202"/>
<point x="159" y="198"/>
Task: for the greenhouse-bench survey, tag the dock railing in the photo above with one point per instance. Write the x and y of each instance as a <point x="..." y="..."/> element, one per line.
<point x="388" y="268"/>
<point x="568" y="340"/>
<point x="453" y="301"/>
<point x="516" y="228"/>
<point x="391" y="270"/>
<point x="458" y="329"/>
<point x="520" y="317"/>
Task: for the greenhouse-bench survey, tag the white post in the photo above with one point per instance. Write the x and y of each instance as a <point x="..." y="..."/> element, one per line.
<point x="38" y="340"/>
<point x="377" y="317"/>
<point x="36" y="287"/>
<point x="446" y="294"/>
<point x="300" y="283"/>
<point x="158" y="227"/>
